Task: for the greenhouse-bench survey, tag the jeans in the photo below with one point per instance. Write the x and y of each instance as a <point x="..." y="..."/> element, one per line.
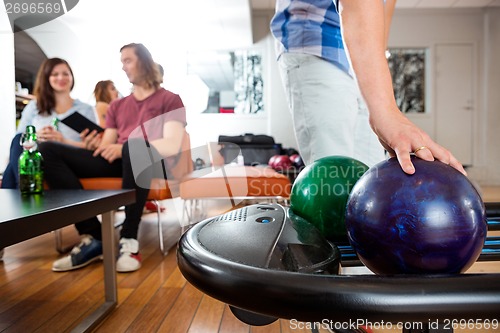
<point x="10" y="177"/>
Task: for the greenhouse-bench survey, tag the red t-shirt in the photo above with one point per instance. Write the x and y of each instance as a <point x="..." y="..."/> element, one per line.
<point x="144" y="118"/>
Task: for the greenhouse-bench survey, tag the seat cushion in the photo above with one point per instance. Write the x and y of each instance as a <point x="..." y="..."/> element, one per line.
<point x="235" y="181"/>
<point x="159" y="190"/>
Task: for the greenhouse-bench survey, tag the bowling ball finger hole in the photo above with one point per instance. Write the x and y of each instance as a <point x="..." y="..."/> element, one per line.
<point x="265" y="219"/>
<point x="266" y="208"/>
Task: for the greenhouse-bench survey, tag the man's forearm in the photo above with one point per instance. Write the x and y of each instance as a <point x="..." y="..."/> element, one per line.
<point x="170" y="144"/>
<point x="388" y="13"/>
<point x="363" y="28"/>
<point x="364" y="33"/>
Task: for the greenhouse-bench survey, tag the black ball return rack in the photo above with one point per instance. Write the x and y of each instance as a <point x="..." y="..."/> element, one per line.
<point x="265" y="274"/>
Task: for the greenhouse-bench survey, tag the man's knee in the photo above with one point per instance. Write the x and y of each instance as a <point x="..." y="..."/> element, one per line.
<point x="125" y="151"/>
<point x="47" y="148"/>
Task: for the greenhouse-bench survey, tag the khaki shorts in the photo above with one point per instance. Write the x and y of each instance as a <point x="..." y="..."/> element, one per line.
<point x="329" y="114"/>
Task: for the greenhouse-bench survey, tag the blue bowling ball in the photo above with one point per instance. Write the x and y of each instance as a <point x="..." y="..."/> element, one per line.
<point x="431" y="222"/>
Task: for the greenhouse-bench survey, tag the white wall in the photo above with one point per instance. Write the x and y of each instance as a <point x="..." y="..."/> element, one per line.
<point x="89" y="64"/>
<point x="7" y="89"/>
<point x="428" y="28"/>
<point x="491" y="121"/>
<point x="277" y="111"/>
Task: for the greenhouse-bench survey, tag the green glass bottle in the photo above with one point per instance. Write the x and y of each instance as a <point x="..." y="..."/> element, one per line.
<point x="30" y="164"/>
<point x="55" y="123"/>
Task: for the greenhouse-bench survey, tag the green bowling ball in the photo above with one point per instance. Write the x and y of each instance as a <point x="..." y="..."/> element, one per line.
<point x="320" y="192"/>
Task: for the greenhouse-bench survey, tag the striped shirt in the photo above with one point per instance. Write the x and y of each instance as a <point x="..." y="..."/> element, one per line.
<point x="311" y="27"/>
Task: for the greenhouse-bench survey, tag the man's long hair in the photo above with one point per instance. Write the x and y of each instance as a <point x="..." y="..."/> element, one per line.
<point x="147" y="66"/>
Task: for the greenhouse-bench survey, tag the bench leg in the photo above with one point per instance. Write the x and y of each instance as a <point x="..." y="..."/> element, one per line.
<point x="160" y="229"/>
<point x="195" y="210"/>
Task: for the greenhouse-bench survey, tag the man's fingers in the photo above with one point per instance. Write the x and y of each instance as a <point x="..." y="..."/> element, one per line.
<point x="457" y="165"/>
<point x="443" y="155"/>
<point x="424" y="153"/>
<point x="405" y="162"/>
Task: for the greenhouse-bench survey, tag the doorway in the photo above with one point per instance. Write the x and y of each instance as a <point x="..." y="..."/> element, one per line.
<point x="455" y="102"/>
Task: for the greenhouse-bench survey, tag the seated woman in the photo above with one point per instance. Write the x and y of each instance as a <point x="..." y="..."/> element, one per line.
<point x="53" y="86"/>
<point x="105" y="92"/>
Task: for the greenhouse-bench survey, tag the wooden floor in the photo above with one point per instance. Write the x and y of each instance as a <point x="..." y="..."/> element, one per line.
<point x="156" y="298"/>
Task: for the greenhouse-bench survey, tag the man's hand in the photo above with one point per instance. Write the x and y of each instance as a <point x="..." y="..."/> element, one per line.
<point x="91" y="140"/>
<point x="109" y="152"/>
<point x="400" y="137"/>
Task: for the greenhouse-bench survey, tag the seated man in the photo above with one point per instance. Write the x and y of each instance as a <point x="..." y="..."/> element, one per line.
<point x="151" y="116"/>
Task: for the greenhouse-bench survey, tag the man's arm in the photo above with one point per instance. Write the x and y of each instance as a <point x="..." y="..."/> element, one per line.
<point x="108" y="148"/>
<point x="388" y="12"/>
<point x="170" y="144"/>
<point x="363" y="28"/>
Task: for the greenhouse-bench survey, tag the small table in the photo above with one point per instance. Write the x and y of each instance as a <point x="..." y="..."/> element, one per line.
<point x="25" y="217"/>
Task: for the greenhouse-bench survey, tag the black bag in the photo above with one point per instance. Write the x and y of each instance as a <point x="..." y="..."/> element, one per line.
<point x="248" y="139"/>
<point x="256" y="149"/>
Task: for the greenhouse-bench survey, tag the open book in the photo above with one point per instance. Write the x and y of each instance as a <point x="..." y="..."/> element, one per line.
<point x="78" y="122"/>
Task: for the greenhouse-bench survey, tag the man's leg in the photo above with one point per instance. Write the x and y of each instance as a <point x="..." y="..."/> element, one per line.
<point x="133" y="212"/>
<point x="129" y="258"/>
<point x="323" y="103"/>
<point x="63" y="166"/>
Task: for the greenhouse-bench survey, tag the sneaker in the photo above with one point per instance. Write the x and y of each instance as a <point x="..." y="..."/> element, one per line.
<point x="129" y="259"/>
<point x="86" y="252"/>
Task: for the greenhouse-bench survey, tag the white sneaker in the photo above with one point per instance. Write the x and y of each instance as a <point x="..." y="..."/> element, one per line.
<point x="129" y="259"/>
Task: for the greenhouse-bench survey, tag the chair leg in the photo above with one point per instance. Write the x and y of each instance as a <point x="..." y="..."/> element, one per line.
<point x="186" y="213"/>
<point x="198" y="210"/>
<point x="160" y="230"/>
<point x="202" y="209"/>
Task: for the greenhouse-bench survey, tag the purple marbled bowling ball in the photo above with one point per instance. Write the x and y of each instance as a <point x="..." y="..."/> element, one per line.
<point x="431" y="222"/>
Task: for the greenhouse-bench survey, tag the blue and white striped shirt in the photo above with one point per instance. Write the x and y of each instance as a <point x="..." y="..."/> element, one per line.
<point x="311" y="27"/>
